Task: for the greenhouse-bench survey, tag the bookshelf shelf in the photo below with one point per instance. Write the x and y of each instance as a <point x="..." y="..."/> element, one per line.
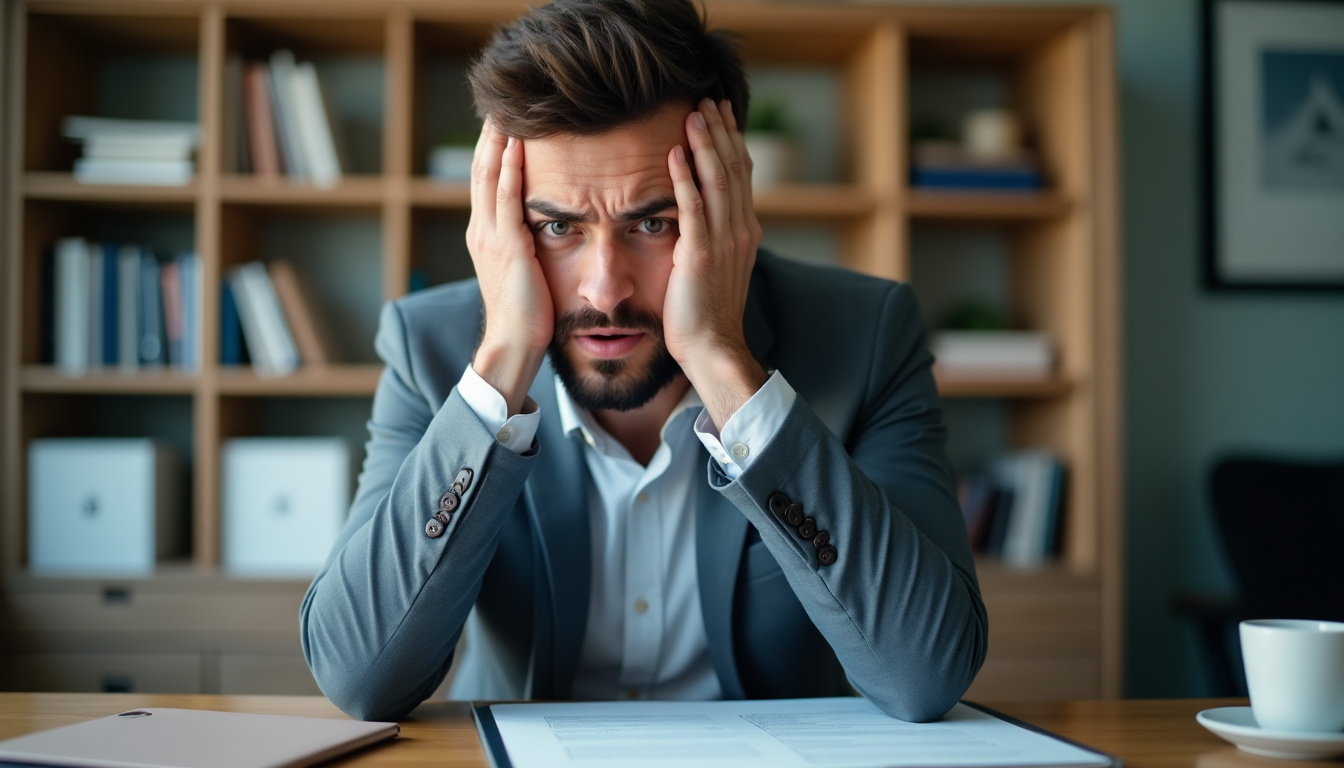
<point x="1008" y="387"/>
<point x="448" y="195"/>
<point x="309" y="381"/>
<point x="966" y="206"/>
<point x="350" y="192"/>
<point x="814" y="201"/>
<point x="395" y="75"/>
<point x="46" y="379"/>
<point x="45" y="185"/>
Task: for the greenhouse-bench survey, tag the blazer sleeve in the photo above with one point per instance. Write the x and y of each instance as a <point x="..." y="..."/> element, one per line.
<point x="380" y="622"/>
<point x="900" y="605"/>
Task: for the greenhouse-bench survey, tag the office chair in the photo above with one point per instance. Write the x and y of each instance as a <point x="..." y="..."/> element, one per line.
<point x="1282" y="525"/>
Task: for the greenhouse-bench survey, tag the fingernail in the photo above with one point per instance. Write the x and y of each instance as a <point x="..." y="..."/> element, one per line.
<point x="680" y="154"/>
<point x="511" y="142"/>
<point x="699" y="121"/>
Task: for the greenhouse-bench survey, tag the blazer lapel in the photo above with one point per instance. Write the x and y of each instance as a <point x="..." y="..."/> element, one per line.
<point x="557" y="504"/>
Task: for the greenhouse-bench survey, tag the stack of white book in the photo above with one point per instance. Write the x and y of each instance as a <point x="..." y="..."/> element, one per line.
<point x="133" y="151"/>
<point x="993" y="353"/>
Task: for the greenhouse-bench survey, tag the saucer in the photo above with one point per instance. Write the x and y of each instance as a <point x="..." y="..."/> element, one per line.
<point x="1237" y="725"/>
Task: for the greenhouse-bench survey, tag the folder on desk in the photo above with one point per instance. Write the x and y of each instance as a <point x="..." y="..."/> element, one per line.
<point x="816" y="733"/>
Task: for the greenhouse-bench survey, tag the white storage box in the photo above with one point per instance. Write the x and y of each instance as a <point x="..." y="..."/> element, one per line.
<point x="102" y="506"/>
<point x="285" y="500"/>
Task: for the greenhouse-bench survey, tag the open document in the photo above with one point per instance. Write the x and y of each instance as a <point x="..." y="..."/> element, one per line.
<point x="811" y="733"/>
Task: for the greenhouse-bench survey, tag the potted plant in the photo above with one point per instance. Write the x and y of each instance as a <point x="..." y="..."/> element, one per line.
<point x="770" y="142"/>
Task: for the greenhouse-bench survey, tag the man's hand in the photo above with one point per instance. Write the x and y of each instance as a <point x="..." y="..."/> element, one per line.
<point x="518" y="313"/>
<point x="712" y="261"/>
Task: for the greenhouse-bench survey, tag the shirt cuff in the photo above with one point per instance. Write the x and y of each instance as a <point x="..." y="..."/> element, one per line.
<point x="514" y="433"/>
<point x="750" y="429"/>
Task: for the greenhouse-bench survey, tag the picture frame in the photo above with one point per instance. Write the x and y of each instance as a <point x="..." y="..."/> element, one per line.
<point x="1273" y="144"/>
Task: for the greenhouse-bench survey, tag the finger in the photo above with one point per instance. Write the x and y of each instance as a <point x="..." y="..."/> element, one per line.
<point x="485" y="175"/>
<point x="509" y="191"/>
<point x="713" y="176"/>
<point x="723" y="146"/>
<point x="690" y="203"/>
<point x="744" y="159"/>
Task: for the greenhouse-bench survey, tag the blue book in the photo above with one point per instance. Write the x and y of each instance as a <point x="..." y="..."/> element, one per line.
<point x="110" y="296"/>
<point x="153" y="347"/>
<point x="230" y="329"/>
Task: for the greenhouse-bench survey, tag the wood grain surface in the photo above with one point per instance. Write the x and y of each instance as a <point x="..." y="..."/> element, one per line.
<point x="1145" y="734"/>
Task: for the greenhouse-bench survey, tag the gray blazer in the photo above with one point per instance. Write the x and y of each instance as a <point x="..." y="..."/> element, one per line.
<point x="898" y="615"/>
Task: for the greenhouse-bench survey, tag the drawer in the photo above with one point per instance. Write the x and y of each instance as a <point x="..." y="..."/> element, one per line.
<point x="102" y="672"/>
<point x="270" y="674"/>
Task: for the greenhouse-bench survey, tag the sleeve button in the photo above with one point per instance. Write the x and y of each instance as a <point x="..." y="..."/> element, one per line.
<point x="826" y="555"/>
<point x="462" y="481"/>
<point x="821" y="539"/>
<point x="778" y="503"/>
<point x="808" y="528"/>
<point x="434" y="529"/>
<point x="793" y="515"/>
<point x="449" y="502"/>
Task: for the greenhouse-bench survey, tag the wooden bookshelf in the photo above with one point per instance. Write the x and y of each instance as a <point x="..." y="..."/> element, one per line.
<point x="1056" y="632"/>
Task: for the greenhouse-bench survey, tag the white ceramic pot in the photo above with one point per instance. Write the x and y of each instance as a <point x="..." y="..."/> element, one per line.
<point x="774" y="159"/>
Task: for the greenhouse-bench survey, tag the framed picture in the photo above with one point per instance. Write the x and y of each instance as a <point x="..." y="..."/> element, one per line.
<point x="1274" y="144"/>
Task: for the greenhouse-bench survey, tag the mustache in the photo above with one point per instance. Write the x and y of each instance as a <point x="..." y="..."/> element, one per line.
<point x="622" y="316"/>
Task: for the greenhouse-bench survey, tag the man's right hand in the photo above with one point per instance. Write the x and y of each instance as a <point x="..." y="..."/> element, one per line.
<point x="518" y="314"/>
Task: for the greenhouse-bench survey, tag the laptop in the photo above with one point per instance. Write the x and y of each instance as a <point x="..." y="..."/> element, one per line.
<point x="190" y="738"/>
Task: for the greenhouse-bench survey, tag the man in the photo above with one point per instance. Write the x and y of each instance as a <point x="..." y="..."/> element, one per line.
<point x="664" y="465"/>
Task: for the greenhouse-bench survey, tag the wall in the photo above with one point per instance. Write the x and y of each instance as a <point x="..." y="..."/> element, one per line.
<point x="1205" y="373"/>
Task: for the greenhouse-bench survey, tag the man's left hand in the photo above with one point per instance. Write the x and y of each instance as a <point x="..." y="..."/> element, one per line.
<point x="712" y="261"/>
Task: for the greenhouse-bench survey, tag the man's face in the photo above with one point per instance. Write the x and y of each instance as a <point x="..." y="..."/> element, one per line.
<point x="604" y="220"/>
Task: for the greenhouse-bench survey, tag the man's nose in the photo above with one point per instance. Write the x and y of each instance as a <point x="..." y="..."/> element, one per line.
<point x="607" y="278"/>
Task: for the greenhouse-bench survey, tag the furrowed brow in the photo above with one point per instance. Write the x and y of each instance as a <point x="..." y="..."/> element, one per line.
<point x="559" y="214"/>
<point x="645" y="210"/>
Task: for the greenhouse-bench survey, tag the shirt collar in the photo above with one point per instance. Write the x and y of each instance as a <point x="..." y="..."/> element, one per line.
<point x="575" y="419"/>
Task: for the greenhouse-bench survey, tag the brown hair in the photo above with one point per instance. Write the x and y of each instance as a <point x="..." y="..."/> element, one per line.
<point x="589" y="66"/>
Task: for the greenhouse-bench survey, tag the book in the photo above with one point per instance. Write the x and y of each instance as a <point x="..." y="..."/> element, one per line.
<point x="230" y="328"/>
<point x="152" y="348"/>
<point x="993" y="353"/>
<point x="233" y="134"/>
<point x="189" y="273"/>
<point x="95" y="300"/>
<point x="264" y="328"/>
<point x="111" y="343"/>
<point x="284" y="110"/>
<point x="138" y="148"/>
<point x="71" y="316"/>
<point x="1026" y="522"/>
<point x="171" y="281"/>
<point x="166" y="173"/>
<point x="264" y="152"/>
<point x="128" y="308"/>
<point x="310" y="337"/>
<point x="987" y="179"/>
<point x="83" y="128"/>
<point x="316" y="140"/>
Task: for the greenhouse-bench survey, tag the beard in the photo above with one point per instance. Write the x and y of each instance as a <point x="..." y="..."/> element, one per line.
<point x="618" y="385"/>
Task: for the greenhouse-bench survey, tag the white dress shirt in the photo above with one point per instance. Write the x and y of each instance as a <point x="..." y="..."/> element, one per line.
<point x="645" y="636"/>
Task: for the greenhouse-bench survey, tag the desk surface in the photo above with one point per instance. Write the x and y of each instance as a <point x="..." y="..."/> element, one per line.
<point x="1146" y="734"/>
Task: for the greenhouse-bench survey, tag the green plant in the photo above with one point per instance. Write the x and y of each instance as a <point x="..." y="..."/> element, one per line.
<point x="976" y="315"/>
<point x="769" y="116"/>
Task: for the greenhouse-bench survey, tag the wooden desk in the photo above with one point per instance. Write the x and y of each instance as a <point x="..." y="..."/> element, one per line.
<point x="1146" y="734"/>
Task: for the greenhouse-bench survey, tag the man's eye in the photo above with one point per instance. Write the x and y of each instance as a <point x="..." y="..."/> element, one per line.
<point x="557" y="228"/>
<point x="653" y="226"/>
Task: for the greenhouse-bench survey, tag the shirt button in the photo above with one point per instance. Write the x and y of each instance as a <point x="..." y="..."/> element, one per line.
<point x="740" y="451"/>
<point x="504" y="434"/>
<point x="642" y="497"/>
<point x="641" y="606"/>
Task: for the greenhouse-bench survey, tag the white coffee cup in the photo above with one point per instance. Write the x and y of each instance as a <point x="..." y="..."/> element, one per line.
<point x="1295" y="673"/>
